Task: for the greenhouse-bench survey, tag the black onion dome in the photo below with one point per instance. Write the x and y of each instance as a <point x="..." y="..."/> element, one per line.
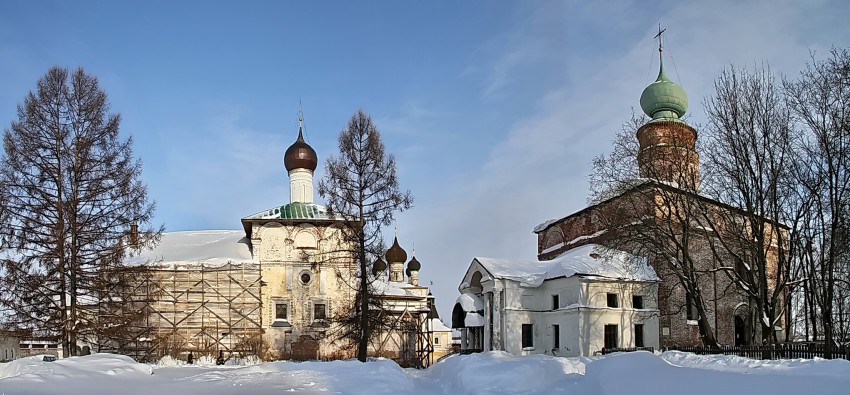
<point x="300" y="155"/>
<point x="396" y="253"/>
<point x="379" y="266"/>
<point x="413" y="265"/>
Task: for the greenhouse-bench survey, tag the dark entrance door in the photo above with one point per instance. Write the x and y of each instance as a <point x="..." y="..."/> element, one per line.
<point x="611" y="334"/>
<point x="740" y="331"/>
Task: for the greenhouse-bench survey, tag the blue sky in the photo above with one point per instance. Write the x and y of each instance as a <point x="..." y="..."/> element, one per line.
<point x="494" y="109"/>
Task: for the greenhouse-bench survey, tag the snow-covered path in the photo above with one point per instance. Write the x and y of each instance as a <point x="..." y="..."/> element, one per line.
<point x="487" y="373"/>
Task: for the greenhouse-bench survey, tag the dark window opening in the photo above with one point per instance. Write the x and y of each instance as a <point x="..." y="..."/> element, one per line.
<point x="612" y="300"/>
<point x="556" y="335"/>
<point x="556" y="302"/>
<point x="319" y="311"/>
<point x="305" y="278"/>
<point x="611" y="334"/>
<point x="527" y="335"/>
<point x="639" y="335"/>
<point x="637" y="301"/>
<point x="689" y="307"/>
<point x="280" y="311"/>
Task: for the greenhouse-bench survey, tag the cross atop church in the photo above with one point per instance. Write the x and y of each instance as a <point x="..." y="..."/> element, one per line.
<point x="658" y="36"/>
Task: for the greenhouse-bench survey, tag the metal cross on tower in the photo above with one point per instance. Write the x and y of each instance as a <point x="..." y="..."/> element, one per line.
<point x="658" y="36"/>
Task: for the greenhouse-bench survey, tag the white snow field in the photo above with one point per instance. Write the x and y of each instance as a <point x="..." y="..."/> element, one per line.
<point x="487" y="373"/>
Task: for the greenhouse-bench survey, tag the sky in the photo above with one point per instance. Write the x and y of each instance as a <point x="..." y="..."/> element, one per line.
<point x="493" y="109"/>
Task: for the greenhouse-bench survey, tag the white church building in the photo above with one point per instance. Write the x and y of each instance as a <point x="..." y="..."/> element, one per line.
<point x="587" y="299"/>
<point x="276" y="288"/>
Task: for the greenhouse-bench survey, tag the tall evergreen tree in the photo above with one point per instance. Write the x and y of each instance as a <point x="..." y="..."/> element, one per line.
<point x="74" y="204"/>
<point x="361" y="187"/>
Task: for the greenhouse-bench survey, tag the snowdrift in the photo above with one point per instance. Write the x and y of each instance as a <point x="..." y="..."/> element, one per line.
<point x="486" y="373"/>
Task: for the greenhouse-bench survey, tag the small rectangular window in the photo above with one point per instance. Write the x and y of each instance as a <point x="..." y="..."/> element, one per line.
<point x="611" y="334"/>
<point x="527" y="335"/>
<point x="319" y="311"/>
<point x="280" y="311"/>
<point x="612" y="300"/>
<point x="638" y="335"/>
<point x="556" y="336"/>
<point x="637" y="301"/>
<point x="436" y="340"/>
<point x="689" y="307"/>
<point x="556" y="302"/>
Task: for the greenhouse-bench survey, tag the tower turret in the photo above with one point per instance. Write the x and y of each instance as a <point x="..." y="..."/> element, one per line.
<point x="300" y="161"/>
<point x="413" y="270"/>
<point x="396" y="257"/>
<point x="667" y="144"/>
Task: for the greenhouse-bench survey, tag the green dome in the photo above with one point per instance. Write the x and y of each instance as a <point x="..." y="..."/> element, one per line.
<point x="663" y="99"/>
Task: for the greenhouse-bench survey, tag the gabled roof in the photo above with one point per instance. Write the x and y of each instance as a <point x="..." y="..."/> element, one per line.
<point x="640" y="183"/>
<point x="589" y="260"/>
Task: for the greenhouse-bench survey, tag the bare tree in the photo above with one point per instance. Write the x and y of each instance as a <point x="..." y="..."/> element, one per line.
<point x="361" y="187"/>
<point x="658" y="219"/>
<point x="74" y="194"/>
<point x="752" y="168"/>
<point x="820" y="101"/>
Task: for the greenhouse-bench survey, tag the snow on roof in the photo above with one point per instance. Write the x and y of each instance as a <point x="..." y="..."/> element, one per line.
<point x="587" y="260"/>
<point x="210" y="247"/>
<point x="545" y="225"/>
<point x="470" y="302"/>
<point x="473" y="306"/>
<point x="439" y="326"/>
<point x="392" y="288"/>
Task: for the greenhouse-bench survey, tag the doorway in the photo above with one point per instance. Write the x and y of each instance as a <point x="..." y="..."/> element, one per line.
<point x="740" y="331"/>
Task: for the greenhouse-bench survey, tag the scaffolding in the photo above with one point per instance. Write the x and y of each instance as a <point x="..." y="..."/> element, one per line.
<point x="197" y="308"/>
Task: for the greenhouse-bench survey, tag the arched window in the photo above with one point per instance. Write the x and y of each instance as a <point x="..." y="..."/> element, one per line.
<point x="305" y="239"/>
<point x="554" y="236"/>
<point x="475" y="281"/>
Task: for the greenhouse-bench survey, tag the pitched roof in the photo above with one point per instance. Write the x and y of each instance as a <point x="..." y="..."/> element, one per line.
<point x="587" y="260"/>
<point x="208" y="247"/>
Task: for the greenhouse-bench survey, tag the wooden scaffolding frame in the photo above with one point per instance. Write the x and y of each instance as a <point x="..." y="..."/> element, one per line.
<point x="198" y="308"/>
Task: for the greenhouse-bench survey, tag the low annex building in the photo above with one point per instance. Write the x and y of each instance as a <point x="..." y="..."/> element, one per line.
<point x="584" y="300"/>
<point x="273" y="287"/>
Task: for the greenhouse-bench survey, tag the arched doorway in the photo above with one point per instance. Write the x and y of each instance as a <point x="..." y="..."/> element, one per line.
<point x="740" y="331"/>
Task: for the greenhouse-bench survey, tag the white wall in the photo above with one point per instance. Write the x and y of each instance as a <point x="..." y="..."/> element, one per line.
<point x="581" y="315"/>
<point x="9" y="348"/>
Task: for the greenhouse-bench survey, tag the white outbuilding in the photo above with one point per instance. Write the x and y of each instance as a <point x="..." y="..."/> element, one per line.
<point x="587" y="299"/>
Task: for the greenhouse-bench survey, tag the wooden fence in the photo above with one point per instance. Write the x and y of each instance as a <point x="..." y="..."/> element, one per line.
<point x="776" y="351"/>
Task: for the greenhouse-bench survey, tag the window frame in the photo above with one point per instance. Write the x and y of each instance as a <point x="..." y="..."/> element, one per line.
<point x="324" y="311"/>
<point x="556" y="336"/>
<point x="612" y="297"/>
<point x="527" y="336"/>
<point x="638" y="335"/>
<point x="285" y="305"/>
<point x="610" y="332"/>
<point x="637" y="298"/>
<point x="556" y="301"/>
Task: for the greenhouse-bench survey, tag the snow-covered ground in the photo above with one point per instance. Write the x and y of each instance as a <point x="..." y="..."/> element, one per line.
<point x="487" y="373"/>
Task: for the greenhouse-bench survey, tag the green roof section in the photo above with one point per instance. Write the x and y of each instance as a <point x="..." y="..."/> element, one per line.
<point x="295" y="210"/>
<point x="664" y="100"/>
